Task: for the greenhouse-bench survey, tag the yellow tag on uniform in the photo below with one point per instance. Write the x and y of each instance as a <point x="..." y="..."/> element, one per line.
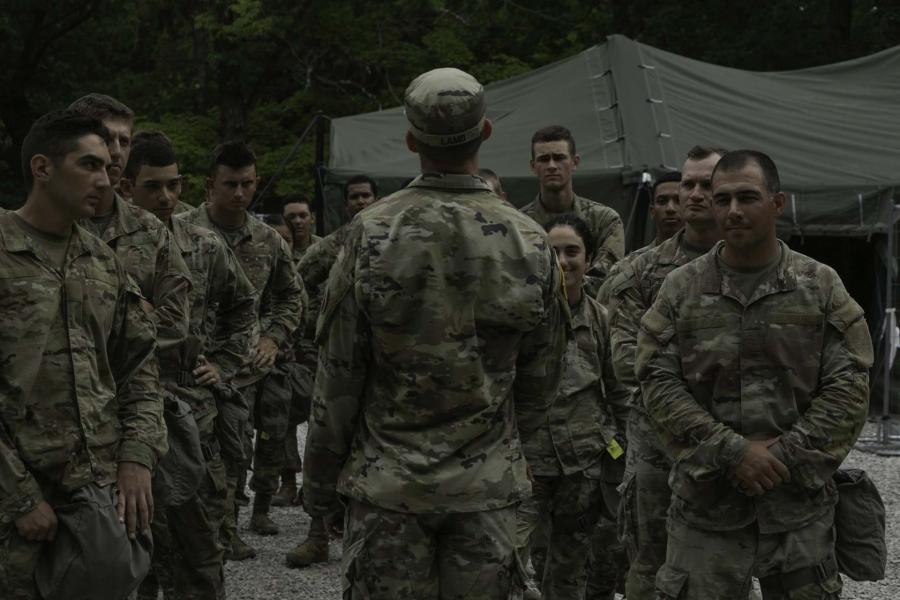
<point x="265" y="436"/>
<point x="614" y="449"/>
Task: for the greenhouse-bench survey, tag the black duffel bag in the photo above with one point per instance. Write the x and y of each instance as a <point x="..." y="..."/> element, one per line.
<point x="859" y="522"/>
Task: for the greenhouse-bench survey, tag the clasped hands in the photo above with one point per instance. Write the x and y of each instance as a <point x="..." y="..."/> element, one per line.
<point x="759" y="470"/>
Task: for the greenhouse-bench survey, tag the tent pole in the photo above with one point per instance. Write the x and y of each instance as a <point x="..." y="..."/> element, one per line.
<point x="318" y="170"/>
<point x="883" y="442"/>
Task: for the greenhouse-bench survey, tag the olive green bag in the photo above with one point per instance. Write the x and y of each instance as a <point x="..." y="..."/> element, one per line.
<point x="859" y="522"/>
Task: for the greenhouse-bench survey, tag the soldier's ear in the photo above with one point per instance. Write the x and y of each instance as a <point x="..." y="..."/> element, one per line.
<point x="487" y="130"/>
<point x="41" y="167"/>
<point x="778" y="199"/>
<point x="411" y="142"/>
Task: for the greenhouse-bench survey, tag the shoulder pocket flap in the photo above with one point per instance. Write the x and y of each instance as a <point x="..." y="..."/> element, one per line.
<point x="658" y="326"/>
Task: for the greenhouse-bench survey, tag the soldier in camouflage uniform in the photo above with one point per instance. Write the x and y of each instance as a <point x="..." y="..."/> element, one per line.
<point x="553" y="160"/>
<point x="584" y="434"/>
<point x="441" y="340"/>
<point x="141" y="242"/>
<point x="222" y="321"/>
<point x="313" y="266"/>
<point x="298" y="215"/>
<point x="80" y="401"/>
<point x="631" y="291"/>
<point x="266" y="261"/>
<point x="753" y="363"/>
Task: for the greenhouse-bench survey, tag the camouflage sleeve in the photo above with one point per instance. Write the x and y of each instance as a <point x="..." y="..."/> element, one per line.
<point x="236" y="316"/>
<point x="316" y="262"/>
<point x="610" y="246"/>
<point x="283" y="307"/>
<point x="340" y="381"/>
<point x="626" y="307"/>
<point x="819" y="441"/>
<point x="132" y="357"/>
<point x="539" y="364"/>
<point x="616" y="394"/>
<point x="703" y="444"/>
<point x="171" y="287"/>
<point x="19" y="491"/>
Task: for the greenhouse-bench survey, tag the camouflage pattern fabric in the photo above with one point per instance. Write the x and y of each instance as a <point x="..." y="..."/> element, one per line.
<point x="66" y="422"/>
<point x="222" y="320"/>
<point x="143" y="245"/>
<point x="717" y="370"/>
<point x="64" y="418"/>
<point x="455" y="556"/>
<point x="572" y="504"/>
<point x="607" y="563"/>
<point x="590" y="407"/>
<point x="183" y="207"/>
<point x="702" y="564"/>
<point x="605" y="225"/>
<point x="441" y="335"/>
<point x="188" y="557"/>
<point x="628" y="293"/>
<point x="266" y="261"/>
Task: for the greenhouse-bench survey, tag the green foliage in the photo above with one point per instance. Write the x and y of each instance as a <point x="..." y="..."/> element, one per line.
<point x="205" y="71"/>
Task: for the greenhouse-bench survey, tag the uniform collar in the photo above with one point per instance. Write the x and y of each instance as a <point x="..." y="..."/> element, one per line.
<point x="785" y="279"/>
<point x="183" y="239"/>
<point x="13" y="239"/>
<point x="124" y="220"/>
<point x="450" y="181"/>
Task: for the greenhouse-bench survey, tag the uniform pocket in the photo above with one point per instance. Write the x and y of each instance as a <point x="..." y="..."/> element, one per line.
<point x="671" y="583"/>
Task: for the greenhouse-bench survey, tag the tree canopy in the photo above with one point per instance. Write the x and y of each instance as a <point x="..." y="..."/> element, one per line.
<point x="204" y="71"/>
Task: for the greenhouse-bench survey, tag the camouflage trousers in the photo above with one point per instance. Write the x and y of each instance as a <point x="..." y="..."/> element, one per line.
<point x="720" y="564"/>
<point x="271" y="410"/>
<point x="571" y="504"/>
<point x="187" y="556"/>
<point x="456" y="556"/>
<point x="607" y="564"/>
<point x="644" y="508"/>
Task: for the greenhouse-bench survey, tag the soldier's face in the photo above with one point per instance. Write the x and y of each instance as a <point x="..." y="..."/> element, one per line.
<point x="299" y="217"/>
<point x="232" y="190"/>
<point x="119" y="146"/>
<point x="572" y="256"/>
<point x="77" y="182"/>
<point x="157" y="189"/>
<point x="745" y="210"/>
<point x="695" y="190"/>
<point x="359" y="196"/>
<point x="553" y="163"/>
<point x="666" y="209"/>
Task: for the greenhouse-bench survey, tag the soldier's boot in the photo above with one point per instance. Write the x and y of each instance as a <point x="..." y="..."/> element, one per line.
<point x="314" y="549"/>
<point x="236" y="549"/>
<point x="260" y="522"/>
<point x="287" y="493"/>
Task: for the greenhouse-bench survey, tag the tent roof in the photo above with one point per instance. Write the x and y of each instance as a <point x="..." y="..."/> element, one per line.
<point x="833" y="131"/>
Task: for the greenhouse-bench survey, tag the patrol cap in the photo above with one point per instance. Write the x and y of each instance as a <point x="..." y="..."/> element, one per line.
<point x="445" y="107"/>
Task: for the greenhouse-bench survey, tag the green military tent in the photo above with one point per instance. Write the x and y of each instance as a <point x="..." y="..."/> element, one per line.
<point x="833" y="131"/>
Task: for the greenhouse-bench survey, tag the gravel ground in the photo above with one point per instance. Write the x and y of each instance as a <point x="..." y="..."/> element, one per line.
<point x="266" y="576"/>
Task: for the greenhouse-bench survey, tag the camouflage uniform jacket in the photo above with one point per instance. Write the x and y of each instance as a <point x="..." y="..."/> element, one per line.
<point x="222" y="319"/>
<point x="604" y="223"/>
<point x="715" y="371"/>
<point x="441" y="340"/>
<point x="143" y="245"/>
<point x="266" y="261"/>
<point x="78" y="388"/>
<point x="590" y="407"/>
<point x="632" y="287"/>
